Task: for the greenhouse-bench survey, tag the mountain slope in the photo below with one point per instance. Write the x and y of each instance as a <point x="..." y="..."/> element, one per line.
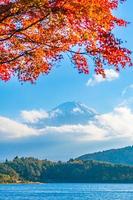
<point x="120" y="156"/>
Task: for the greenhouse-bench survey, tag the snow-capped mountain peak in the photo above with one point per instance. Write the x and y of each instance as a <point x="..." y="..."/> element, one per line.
<point x="68" y="113"/>
<point x="72" y="108"/>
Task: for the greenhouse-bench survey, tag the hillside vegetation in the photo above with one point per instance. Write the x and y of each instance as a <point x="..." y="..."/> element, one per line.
<point x="34" y="170"/>
<point x="119" y="156"/>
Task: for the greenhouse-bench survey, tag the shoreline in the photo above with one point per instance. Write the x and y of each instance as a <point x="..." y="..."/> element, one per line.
<point x="39" y="183"/>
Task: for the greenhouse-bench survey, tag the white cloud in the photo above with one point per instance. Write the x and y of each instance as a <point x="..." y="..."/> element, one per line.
<point x="10" y="129"/>
<point x="126" y="90"/>
<point x="89" y="132"/>
<point x="127" y="97"/>
<point x="110" y="76"/>
<point x="117" y="123"/>
<point x="33" y="116"/>
<point x="114" y="125"/>
<point x="110" y="126"/>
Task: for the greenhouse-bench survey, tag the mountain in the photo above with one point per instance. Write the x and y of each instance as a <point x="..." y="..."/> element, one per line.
<point x="73" y="171"/>
<point x="67" y="113"/>
<point x="120" y="156"/>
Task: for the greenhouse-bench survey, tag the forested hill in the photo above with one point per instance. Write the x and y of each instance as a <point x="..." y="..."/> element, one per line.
<point x="119" y="156"/>
<point x="33" y="170"/>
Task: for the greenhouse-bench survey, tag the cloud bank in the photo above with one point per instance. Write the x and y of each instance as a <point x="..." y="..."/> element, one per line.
<point x="33" y="116"/>
<point x="11" y="129"/>
<point x="110" y="76"/>
<point x="113" y="125"/>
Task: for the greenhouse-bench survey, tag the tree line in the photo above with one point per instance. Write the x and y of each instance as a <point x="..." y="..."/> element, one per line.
<point x="34" y="170"/>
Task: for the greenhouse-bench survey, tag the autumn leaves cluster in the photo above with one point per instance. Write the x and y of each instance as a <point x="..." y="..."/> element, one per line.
<point x="35" y="34"/>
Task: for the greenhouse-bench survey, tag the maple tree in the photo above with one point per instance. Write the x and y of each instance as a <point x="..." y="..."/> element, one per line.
<point x="34" y="34"/>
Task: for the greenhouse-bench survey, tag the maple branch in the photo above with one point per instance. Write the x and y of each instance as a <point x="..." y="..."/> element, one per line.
<point x="24" y="29"/>
<point x="5" y="8"/>
<point x="19" y="56"/>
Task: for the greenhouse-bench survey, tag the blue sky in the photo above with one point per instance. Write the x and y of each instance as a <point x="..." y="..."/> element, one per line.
<point x="65" y="84"/>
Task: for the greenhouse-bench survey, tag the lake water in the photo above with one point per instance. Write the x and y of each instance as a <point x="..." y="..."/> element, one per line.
<point x="67" y="192"/>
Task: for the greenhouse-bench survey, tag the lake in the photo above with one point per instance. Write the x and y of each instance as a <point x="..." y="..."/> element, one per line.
<point x="66" y="192"/>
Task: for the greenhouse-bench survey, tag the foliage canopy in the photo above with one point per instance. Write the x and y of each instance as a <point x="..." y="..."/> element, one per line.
<point x="34" y="170"/>
<point x="34" y="34"/>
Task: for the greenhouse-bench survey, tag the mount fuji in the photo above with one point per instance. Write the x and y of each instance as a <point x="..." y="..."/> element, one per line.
<point x="67" y="113"/>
